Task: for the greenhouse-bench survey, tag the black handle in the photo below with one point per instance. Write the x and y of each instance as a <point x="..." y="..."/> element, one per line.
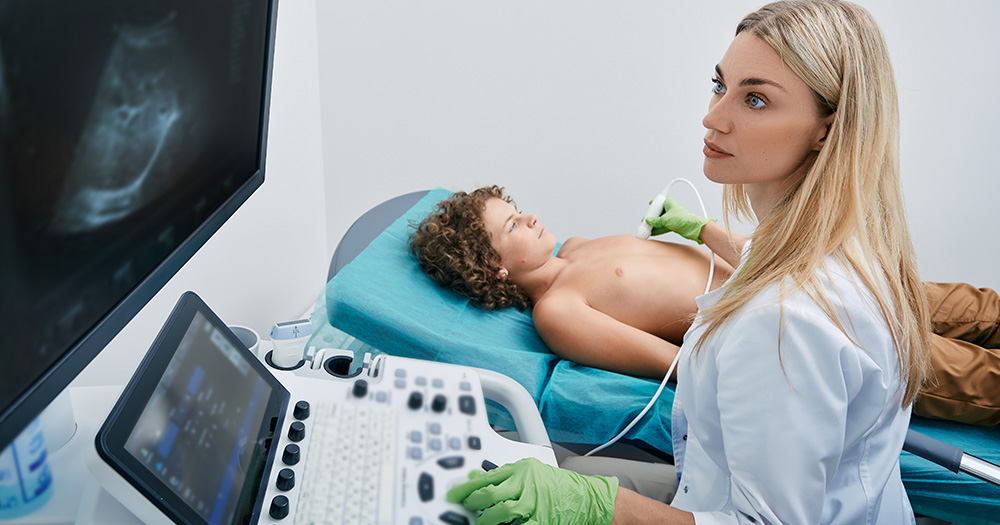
<point x="933" y="450"/>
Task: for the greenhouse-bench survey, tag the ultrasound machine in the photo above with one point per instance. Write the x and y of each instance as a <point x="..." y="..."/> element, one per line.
<point x="207" y="433"/>
<point x="129" y="133"/>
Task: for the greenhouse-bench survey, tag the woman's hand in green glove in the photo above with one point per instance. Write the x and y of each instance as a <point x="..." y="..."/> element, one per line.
<point x="677" y="219"/>
<point x="537" y="494"/>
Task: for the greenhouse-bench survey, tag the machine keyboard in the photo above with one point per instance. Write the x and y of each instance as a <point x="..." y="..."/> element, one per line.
<point x="354" y="483"/>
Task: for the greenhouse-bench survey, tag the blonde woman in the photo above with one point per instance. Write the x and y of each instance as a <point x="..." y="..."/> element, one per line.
<point x="795" y="382"/>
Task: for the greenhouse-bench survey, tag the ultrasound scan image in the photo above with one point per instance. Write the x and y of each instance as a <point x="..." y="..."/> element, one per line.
<point x="124" y="126"/>
<point x="119" y="163"/>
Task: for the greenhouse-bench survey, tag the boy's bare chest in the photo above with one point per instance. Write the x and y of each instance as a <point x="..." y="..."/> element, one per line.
<point x="644" y="284"/>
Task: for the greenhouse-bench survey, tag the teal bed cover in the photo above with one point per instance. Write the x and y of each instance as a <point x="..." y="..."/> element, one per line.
<point x="384" y="300"/>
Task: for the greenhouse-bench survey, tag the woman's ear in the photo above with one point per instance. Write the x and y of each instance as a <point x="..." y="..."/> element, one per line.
<point x="824" y="132"/>
<point x="502" y="274"/>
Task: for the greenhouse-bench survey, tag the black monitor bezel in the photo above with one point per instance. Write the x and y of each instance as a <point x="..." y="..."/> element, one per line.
<point x="30" y="403"/>
<point x="114" y="433"/>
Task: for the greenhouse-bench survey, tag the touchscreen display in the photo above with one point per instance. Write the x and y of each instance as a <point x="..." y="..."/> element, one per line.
<point x="199" y="429"/>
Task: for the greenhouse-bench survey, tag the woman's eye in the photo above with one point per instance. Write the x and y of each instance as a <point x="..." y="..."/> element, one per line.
<point x="755" y="102"/>
<point x="512" y="226"/>
<point x="717" y="87"/>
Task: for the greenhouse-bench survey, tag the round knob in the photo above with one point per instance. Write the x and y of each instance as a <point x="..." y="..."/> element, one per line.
<point x="291" y="455"/>
<point x="360" y="388"/>
<point x="279" y="507"/>
<point x="439" y="403"/>
<point x="286" y="479"/>
<point x="296" y="431"/>
<point x="416" y="400"/>
<point x="301" y="410"/>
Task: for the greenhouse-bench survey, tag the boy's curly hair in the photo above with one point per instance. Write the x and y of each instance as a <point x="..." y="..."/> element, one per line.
<point x="454" y="249"/>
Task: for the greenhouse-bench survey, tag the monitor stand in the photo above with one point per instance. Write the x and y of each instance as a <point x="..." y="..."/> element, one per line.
<point x="95" y="505"/>
<point x="58" y="422"/>
<point x="72" y="421"/>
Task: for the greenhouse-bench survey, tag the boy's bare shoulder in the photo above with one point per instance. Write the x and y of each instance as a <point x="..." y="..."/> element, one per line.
<point x="556" y="307"/>
<point x="571" y="244"/>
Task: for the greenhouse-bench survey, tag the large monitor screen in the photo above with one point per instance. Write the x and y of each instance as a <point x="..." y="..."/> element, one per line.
<point x="129" y="131"/>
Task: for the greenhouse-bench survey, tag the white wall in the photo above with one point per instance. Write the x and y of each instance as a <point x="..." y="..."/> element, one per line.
<point x="241" y="272"/>
<point x="585" y="109"/>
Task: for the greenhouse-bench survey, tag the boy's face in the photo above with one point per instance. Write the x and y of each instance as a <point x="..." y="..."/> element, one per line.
<point x="523" y="243"/>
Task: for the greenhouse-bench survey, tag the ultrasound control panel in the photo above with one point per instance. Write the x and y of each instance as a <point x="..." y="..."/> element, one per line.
<point x="207" y="432"/>
<point x="385" y="445"/>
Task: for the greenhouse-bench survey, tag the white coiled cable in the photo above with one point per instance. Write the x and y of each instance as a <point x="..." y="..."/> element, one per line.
<point x="644" y="231"/>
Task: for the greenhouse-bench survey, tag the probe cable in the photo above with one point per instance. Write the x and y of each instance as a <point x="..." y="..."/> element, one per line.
<point x="644" y="231"/>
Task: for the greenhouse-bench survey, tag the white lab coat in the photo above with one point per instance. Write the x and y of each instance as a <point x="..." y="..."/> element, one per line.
<point x="812" y="438"/>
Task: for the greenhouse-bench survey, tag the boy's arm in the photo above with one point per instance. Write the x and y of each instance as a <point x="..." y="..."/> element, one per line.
<point x="575" y="331"/>
<point x="723" y="243"/>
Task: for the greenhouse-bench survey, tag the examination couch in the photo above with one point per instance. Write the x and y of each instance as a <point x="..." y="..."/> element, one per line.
<point x="378" y="300"/>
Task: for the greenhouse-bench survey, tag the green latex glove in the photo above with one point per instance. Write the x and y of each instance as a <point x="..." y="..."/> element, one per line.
<point x="676" y="219"/>
<point x="537" y="494"/>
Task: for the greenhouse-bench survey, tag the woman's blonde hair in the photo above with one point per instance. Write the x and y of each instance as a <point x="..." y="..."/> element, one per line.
<point x="849" y="205"/>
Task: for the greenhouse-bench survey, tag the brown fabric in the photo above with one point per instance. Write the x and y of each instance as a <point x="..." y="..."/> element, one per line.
<point x="965" y="354"/>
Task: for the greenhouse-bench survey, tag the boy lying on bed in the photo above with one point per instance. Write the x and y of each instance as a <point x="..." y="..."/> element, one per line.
<point x="637" y="297"/>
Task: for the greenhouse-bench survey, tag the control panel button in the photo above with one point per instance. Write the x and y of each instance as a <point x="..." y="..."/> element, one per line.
<point x="400" y="372"/>
<point x="296" y="431"/>
<point x="453" y="518"/>
<point x="301" y="410"/>
<point x="360" y="388"/>
<point x="291" y="455"/>
<point x="467" y="405"/>
<point x="452" y="462"/>
<point x="454" y="443"/>
<point x="439" y="403"/>
<point x="437" y="383"/>
<point x="279" y="508"/>
<point x="488" y="465"/>
<point x="286" y="479"/>
<point x="475" y="443"/>
<point x="425" y="487"/>
<point x="416" y="400"/>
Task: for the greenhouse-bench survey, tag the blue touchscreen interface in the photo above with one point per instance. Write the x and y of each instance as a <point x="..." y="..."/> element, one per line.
<point x="200" y="429"/>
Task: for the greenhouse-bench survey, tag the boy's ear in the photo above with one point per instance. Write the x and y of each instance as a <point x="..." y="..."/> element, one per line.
<point x="502" y="274"/>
